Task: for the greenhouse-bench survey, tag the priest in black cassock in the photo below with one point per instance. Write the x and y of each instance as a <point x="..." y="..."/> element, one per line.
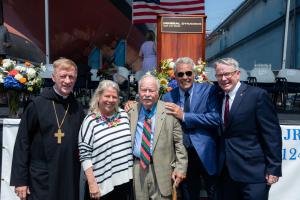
<point x="46" y="159"/>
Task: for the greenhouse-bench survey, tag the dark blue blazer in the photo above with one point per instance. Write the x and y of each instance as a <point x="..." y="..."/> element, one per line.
<point x="252" y="142"/>
<point x="202" y="122"/>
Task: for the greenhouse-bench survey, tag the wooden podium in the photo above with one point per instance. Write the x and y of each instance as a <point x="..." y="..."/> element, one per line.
<point x="181" y="36"/>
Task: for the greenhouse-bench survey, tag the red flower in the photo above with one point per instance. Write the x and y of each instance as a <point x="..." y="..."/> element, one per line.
<point x="204" y="77"/>
<point x="13" y="72"/>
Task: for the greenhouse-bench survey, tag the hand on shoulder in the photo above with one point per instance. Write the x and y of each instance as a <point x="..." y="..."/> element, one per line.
<point x="128" y="105"/>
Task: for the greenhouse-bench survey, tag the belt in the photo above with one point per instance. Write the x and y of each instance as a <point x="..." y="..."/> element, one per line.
<point x="138" y="159"/>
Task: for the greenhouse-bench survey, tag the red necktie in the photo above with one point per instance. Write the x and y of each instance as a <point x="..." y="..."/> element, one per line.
<point x="145" y="155"/>
<point x="226" y="111"/>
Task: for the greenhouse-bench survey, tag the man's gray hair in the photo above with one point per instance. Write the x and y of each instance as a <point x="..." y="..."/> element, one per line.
<point x="184" y="60"/>
<point x="229" y="62"/>
<point x="152" y="77"/>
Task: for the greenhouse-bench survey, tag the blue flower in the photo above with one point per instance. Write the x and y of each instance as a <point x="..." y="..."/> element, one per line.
<point x="11" y="83"/>
<point x="173" y="84"/>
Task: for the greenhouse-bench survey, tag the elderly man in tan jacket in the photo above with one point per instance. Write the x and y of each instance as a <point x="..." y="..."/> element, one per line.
<point x="159" y="155"/>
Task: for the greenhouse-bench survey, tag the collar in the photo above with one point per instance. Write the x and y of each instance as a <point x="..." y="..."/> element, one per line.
<point x="64" y="97"/>
<point x="151" y="113"/>
<point x="181" y="92"/>
<point x="233" y="92"/>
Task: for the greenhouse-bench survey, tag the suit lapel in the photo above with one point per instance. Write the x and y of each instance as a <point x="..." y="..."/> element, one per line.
<point x="176" y="96"/>
<point x="159" y="119"/>
<point x="133" y="120"/>
<point x="196" y="91"/>
<point x="237" y="101"/>
<point x="194" y="101"/>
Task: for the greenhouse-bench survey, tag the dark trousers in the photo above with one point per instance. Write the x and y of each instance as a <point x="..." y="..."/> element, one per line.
<point x="191" y="186"/>
<point x="234" y="190"/>
<point x="120" y="192"/>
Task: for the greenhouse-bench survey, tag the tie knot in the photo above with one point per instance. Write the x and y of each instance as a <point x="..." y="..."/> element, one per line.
<point x="147" y="114"/>
<point x="186" y="94"/>
<point x="227" y="96"/>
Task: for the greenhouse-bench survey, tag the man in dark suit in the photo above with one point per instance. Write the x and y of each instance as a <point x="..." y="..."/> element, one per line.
<point x="195" y="105"/>
<point x="250" y="159"/>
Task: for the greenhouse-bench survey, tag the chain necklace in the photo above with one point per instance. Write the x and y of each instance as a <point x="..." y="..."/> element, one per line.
<point x="59" y="134"/>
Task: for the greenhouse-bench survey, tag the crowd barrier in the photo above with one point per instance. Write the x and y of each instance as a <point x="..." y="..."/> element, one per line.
<point x="286" y="188"/>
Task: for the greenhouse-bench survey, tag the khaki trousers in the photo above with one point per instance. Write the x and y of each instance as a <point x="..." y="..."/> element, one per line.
<point x="145" y="183"/>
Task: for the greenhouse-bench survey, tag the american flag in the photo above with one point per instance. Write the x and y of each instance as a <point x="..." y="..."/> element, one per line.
<point x="146" y="11"/>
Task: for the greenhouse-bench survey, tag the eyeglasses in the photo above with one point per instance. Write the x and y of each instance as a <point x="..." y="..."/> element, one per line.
<point x="226" y="75"/>
<point x="187" y="73"/>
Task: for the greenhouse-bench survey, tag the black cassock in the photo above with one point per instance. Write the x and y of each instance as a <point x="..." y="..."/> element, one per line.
<point x="51" y="170"/>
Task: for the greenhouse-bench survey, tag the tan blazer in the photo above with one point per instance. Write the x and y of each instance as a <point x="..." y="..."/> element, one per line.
<point x="168" y="153"/>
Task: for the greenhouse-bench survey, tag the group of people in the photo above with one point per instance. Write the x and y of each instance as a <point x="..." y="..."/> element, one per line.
<point x="227" y="135"/>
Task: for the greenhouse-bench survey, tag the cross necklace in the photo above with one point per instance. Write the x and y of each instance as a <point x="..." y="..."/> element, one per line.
<point x="59" y="134"/>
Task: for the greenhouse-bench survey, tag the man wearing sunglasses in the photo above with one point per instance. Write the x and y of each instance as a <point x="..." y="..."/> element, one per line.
<point x="196" y="106"/>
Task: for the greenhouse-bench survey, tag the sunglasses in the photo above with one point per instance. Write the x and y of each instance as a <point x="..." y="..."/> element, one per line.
<point x="187" y="73"/>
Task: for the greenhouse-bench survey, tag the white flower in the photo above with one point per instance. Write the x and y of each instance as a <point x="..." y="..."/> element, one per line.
<point x="171" y="65"/>
<point x="199" y="79"/>
<point x="199" y="61"/>
<point x="33" y="82"/>
<point x="18" y="76"/>
<point x="1" y="78"/>
<point x="31" y="73"/>
<point x="20" y="68"/>
<point x="8" y="62"/>
<point x="43" y="67"/>
<point x="169" y="59"/>
<point x="29" y="83"/>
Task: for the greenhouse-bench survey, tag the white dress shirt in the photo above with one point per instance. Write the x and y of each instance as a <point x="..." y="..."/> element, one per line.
<point x="231" y="98"/>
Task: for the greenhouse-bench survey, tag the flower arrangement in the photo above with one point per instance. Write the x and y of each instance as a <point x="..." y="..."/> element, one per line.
<point x="20" y="77"/>
<point x="16" y="78"/>
<point x="166" y="74"/>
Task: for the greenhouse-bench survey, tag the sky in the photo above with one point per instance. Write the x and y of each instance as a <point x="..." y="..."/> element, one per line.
<point x="218" y="10"/>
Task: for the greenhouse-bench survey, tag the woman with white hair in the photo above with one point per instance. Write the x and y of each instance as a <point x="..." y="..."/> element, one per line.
<point x="105" y="145"/>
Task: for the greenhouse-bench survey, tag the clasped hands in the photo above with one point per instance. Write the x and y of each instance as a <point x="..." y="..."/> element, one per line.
<point x="22" y="192"/>
<point x="271" y="179"/>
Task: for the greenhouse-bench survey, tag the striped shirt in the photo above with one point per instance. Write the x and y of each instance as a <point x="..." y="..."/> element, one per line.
<point x="107" y="149"/>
